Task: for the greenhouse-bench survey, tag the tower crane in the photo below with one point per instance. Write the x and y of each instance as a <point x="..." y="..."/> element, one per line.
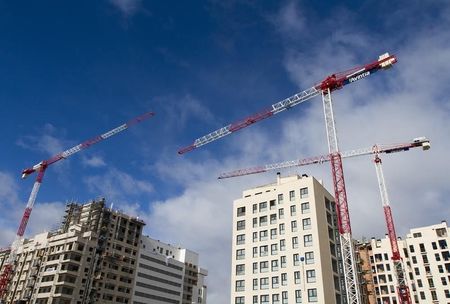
<point x="40" y="168"/>
<point x="402" y="287"/>
<point x="325" y="88"/>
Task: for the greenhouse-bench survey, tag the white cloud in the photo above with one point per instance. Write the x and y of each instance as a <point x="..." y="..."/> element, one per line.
<point x="94" y="161"/>
<point x="117" y="186"/>
<point x="127" y="7"/>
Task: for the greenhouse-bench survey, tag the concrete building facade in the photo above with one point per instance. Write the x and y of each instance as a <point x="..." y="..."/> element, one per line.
<point x="426" y="260"/>
<point x="285" y="246"/>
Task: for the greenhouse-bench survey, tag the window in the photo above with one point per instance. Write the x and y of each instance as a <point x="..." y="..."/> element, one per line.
<point x="241" y="211"/>
<point x="255" y="299"/>
<point x="293" y="210"/>
<point x="240" y="285"/>
<point x="274" y="249"/>
<point x="274" y="264"/>
<point x="310" y="276"/>
<point x="298" y="296"/>
<point x="275" y="282"/>
<point x="276" y="298"/>
<point x="255" y="222"/>
<point x="263" y="235"/>
<point x="308" y="240"/>
<point x="304" y="193"/>
<point x="281" y="213"/>
<point x="255" y="267"/>
<point x="417" y="235"/>
<point x="282" y="229"/>
<point x="264" y="266"/>
<point x="273" y="218"/>
<point x="411" y="248"/>
<point x="255" y="237"/>
<point x="264" y="283"/>
<point x="240" y="269"/>
<point x="280" y="198"/>
<point x="312" y="295"/>
<point x="282" y="245"/>
<point x="297" y="277"/>
<point x="284" y="279"/>
<point x="240" y="239"/>
<point x="309" y="257"/>
<point x="293" y="226"/>
<point x="239" y="300"/>
<point x="305" y="207"/>
<point x="262" y="206"/>
<point x="306" y="223"/>
<point x="263" y="220"/>
<point x="255" y="284"/>
<point x="283" y="261"/>
<point x="255" y="252"/>
<point x="263" y="250"/>
<point x="240" y="254"/>
<point x="296" y="259"/>
<point x="264" y="299"/>
<point x="422" y="247"/>
<point x="272" y="205"/>
<point x="241" y="225"/>
<point x="414" y="259"/>
<point x="434" y="245"/>
<point x="255" y="208"/>
<point x="292" y="195"/>
<point x="273" y="233"/>
<point x="295" y="242"/>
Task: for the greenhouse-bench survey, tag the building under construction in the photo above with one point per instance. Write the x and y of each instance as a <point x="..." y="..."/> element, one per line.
<point x="92" y="258"/>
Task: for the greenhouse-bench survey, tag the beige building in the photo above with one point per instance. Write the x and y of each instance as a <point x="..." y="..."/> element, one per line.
<point x="426" y="261"/>
<point x="284" y="244"/>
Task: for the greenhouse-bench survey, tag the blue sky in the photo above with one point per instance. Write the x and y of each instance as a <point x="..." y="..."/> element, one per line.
<point x="72" y="70"/>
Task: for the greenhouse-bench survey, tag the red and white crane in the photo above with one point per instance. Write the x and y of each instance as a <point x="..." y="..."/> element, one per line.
<point x="402" y="286"/>
<point x="40" y="168"/>
<point x="325" y="87"/>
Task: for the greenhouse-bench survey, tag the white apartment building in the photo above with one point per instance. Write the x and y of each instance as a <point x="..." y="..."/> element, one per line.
<point x="426" y="261"/>
<point x="168" y="274"/>
<point x="284" y="244"/>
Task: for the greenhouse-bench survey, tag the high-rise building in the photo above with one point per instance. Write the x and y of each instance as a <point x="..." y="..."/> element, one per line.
<point x="285" y="246"/>
<point x="426" y="261"/>
<point x="98" y="255"/>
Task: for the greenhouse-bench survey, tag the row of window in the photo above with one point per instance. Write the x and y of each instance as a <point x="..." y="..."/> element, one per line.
<point x="263" y="266"/>
<point x="280" y="299"/>
<point x="304" y="207"/>
<point x="240" y="225"/>
<point x="263" y="283"/>
<point x="264" y="249"/>
<point x="262" y="206"/>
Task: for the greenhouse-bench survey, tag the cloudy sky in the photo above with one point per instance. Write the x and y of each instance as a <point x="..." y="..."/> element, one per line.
<point x="73" y="69"/>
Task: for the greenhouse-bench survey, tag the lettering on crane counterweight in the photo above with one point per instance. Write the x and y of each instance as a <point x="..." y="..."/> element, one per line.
<point x="361" y="76"/>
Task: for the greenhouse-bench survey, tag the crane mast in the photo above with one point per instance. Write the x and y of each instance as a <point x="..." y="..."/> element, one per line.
<point x="402" y="286"/>
<point x="40" y="168"/>
<point x="325" y="87"/>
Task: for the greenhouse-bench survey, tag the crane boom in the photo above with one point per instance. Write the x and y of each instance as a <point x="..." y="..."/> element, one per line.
<point x="332" y="82"/>
<point x="86" y="144"/>
<point x="385" y="148"/>
<point x="40" y="169"/>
